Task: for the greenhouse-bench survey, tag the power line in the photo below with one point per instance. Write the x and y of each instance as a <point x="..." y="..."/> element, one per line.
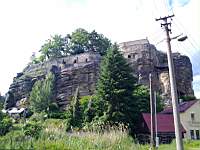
<point x="195" y="45"/>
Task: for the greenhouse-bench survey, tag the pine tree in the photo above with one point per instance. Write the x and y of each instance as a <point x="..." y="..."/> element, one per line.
<point x="42" y="94"/>
<point x="114" y="89"/>
<point x="76" y="110"/>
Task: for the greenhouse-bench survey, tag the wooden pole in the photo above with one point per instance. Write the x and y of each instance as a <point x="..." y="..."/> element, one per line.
<point x="179" y="141"/>
<point x="152" y="106"/>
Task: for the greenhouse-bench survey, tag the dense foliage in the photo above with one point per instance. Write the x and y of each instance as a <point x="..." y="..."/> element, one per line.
<point x="32" y="129"/>
<point x="141" y="95"/>
<point x="188" y="98"/>
<point x="114" y="90"/>
<point x="2" y="99"/>
<point x="74" y="112"/>
<point x="79" y="41"/>
<point x="41" y="95"/>
<point x="5" y="124"/>
<point x="53" y="136"/>
<point x="118" y="98"/>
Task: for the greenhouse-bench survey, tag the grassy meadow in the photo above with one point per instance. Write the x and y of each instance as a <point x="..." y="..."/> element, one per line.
<point x="54" y="137"/>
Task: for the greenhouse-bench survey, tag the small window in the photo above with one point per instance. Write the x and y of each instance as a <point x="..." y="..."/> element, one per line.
<point x="129" y="56"/>
<point x="86" y="60"/>
<point x="74" y="61"/>
<point x="192" y="134"/>
<point x="192" y="116"/>
<point x="197" y="134"/>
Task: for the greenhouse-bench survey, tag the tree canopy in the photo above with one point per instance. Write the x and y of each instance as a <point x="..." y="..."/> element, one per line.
<point x="141" y="95"/>
<point x="77" y="42"/>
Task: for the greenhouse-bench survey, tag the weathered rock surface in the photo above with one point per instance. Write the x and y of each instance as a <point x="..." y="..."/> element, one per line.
<point x="70" y="72"/>
<point x="145" y="58"/>
<point x="82" y="71"/>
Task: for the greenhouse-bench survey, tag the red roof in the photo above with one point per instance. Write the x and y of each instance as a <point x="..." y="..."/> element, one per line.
<point x="182" y="107"/>
<point x="165" y="122"/>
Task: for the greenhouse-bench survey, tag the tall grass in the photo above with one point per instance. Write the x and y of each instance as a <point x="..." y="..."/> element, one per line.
<point x="54" y="137"/>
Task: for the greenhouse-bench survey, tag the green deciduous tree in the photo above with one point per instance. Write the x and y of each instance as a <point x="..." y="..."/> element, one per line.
<point x="54" y="47"/>
<point x="141" y="95"/>
<point x="98" y="43"/>
<point x="42" y="94"/>
<point x="79" y="41"/>
<point x="5" y="124"/>
<point x="114" y="89"/>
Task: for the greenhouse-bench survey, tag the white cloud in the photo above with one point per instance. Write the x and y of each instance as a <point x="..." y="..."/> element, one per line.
<point x="25" y="25"/>
<point x="196" y="78"/>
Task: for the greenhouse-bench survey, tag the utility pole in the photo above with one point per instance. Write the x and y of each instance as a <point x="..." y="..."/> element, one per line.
<point x="156" y="121"/>
<point x="152" y="106"/>
<point x="179" y="142"/>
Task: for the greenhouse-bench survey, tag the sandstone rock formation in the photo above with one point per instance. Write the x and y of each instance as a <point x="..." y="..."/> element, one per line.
<point x="70" y="72"/>
<point x="82" y="71"/>
<point x="145" y="58"/>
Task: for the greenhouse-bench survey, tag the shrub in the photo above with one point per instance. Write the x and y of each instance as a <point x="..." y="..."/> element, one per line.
<point x="57" y="115"/>
<point x="41" y="95"/>
<point x="38" y="117"/>
<point x="5" y="124"/>
<point x="32" y="129"/>
<point x="188" y="98"/>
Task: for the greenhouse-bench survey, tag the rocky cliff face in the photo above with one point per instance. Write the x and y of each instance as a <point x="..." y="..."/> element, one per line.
<point x="145" y="58"/>
<point x="82" y="71"/>
<point x="70" y="72"/>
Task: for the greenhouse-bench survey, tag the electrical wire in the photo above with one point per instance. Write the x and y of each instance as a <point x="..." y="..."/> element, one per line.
<point x="191" y="39"/>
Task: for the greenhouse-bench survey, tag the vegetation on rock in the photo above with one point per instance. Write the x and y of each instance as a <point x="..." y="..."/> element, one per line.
<point x="79" y="41"/>
<point x="2" y="99"/>
<point x="42" y="94"/>
<point x="5" y="124"/>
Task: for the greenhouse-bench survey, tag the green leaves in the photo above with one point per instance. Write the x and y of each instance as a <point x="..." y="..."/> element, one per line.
<point x="79" y="41"/>
<point x="41" y="95"/>
<point x="5" y="124"/>
<point x="115" y="87"/>
<point x="32" y="129"/>
<point x="141" y="95"/>
<point x="53" y="47"/>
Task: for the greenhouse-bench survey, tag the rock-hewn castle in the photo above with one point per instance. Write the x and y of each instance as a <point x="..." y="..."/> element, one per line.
<point x="82" y="71"/>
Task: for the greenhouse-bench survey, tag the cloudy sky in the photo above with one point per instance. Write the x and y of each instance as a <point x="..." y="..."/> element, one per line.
<point x="26" y="24"/>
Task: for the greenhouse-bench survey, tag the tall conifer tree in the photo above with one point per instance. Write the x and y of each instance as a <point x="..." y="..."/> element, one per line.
<point x="114" y="89"/>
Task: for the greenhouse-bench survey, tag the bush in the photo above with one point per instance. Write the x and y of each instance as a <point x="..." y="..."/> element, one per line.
<point x="38" y="117"/>
<point x="32" y="129"/>
<point x="57" y="115"/>
<point x="188" y="98"/>
<point x="5" y="124"/>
